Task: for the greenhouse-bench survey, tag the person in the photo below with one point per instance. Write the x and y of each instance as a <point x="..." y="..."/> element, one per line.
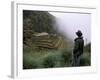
<point x="78" y="48"/>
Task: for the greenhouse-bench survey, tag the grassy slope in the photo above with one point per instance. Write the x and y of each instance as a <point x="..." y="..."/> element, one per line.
<point x="51" y="58"/>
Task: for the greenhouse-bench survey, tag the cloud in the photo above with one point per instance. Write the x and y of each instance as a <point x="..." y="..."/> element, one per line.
<point x="69" y="23"/>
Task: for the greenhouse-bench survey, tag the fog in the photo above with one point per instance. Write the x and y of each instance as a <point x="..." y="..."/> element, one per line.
<point x="70" y="23"/>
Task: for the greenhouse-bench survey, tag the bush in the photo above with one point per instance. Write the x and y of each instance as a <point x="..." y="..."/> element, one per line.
<point x="49" y="62"/>
<point x="58" y="58"/>
<point x="29" y="62"/>
<point x="85" y="60"/>
<point x="67" y="57"/>
<point x="51" y="59"/>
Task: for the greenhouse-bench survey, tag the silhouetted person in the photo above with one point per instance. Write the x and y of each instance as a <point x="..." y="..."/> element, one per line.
<point x="78" y="48"/>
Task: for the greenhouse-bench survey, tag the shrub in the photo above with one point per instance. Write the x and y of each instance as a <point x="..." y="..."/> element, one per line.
<point x="85" y="60"/>
<point x="67" y="57"/>
<point x="29" y="62"/>
<point x="49" y="61"/>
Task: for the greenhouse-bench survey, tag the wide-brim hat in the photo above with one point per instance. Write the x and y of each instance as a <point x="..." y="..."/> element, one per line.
<point x="79" y="33"/>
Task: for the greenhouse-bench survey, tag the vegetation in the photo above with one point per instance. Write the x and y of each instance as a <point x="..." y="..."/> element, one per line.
<point x="51" y="59"/>
<point x="48" y="59"/>
<point x="36" y="22"/>
<point x="86" y="58"/>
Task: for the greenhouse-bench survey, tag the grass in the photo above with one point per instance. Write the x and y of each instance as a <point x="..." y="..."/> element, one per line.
<point x="85" y="59"/>
<point x="46" y="59"/>
<point x="34" y="59"/>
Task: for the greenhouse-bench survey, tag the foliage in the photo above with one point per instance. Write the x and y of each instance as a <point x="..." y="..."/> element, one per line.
<point x="46" y="59"/>
<point x="85" y="59"/>
<point x="49" y="61"/>
<point x="87" y="48"/>
<point x="36" y="22"/>
<point x="67" y="57"/>
<point x="29" y="62"/>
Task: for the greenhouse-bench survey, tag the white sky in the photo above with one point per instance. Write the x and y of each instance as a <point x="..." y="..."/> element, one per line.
<point x="69" y="23"/>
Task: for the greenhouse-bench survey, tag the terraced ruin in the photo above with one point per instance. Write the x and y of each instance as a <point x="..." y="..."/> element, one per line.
<point x="49" y="41"/>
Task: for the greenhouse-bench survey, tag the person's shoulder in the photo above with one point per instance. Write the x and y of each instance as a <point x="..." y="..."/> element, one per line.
<point x="78" y="39"/>
<point x="75" y="39"/>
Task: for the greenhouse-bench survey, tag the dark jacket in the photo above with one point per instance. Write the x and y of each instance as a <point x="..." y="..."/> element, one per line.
<point x="78" y="46"/>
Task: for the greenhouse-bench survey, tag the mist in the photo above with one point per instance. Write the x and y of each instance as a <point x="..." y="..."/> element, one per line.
<point x="69" y="23"/>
